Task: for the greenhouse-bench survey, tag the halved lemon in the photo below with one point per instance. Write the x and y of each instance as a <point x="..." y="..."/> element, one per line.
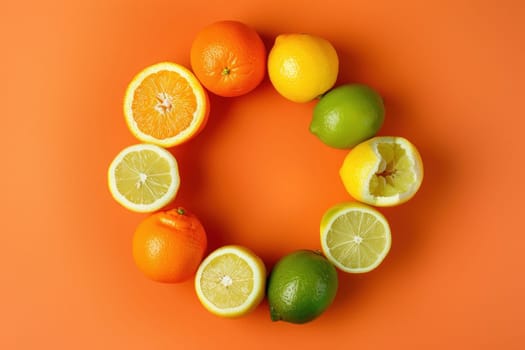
<point x="144" y="177"/>
<point x="383" y="171"/>
<point x="231" y="281"/>
<point x="165" y="105"/>
<point x="355" y="237"/>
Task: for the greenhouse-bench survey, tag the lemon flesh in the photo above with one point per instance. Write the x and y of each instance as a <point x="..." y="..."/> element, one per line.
<point x="355" y="237"/>
<point x="383" y="171"/>
<point x="144" y="177"/>
<point x="230" y="282"/>
<point x="394" y="174"/>
<point x="227" y="281"/>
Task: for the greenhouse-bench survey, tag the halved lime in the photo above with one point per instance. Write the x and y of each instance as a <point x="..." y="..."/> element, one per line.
<point x="355" y="237"/>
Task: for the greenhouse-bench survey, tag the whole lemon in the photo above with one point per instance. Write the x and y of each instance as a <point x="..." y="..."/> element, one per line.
<point x="348" y="115"/>
<point x="302" y="67"/>
<point x="301" y="286"/>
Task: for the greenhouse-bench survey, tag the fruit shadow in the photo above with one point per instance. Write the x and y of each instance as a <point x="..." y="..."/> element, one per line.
<point x="268" y="39"/>
<point x="190" y="157"/>
<point x="409" y="221"/>
<point x="351" y="70"/>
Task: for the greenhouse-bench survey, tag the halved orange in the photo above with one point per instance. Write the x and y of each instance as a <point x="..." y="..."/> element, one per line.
<point x="165" y="105"/>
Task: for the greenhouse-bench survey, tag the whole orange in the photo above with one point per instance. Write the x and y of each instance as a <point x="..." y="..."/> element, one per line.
<point x="168" y="246"/>
<point x="229" y="58"/>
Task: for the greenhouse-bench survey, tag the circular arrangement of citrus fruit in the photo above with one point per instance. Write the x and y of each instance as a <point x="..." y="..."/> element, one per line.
<point x="167" y="104"/>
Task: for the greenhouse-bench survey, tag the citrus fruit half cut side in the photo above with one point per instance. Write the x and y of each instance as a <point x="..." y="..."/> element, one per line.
<point x="144" y="177"/>
<point x="355" y="237"/>
<point x="165" y="105"/>
<point x="230" y="282"/>
<point x="383" y="171"/>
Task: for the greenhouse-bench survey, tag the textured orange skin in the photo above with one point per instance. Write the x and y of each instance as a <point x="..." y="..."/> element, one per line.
<point x="229" y="58"/>
<point x="168" y="246"/>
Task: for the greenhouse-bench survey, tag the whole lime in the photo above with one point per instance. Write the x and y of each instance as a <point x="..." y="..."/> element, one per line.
<point x="301" y="286"/>
<point x="348" y="115"/>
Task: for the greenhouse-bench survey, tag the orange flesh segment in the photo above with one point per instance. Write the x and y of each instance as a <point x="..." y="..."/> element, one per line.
<point x="164" y="105"/>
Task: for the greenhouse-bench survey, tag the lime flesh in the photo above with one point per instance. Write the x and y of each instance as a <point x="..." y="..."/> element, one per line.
<point x="355" y="237"/>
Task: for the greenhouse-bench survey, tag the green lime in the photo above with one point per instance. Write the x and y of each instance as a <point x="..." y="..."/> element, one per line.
<point x="348" y="115"/>
<point x="301" y="286"/>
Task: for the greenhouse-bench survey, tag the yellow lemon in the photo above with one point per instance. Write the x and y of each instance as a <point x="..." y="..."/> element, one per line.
<point x="231" y="281"/>
<point x="383" y="171"/>
<point x="144" y="178"/>
<point x="355" y="237"/>
<point x="302" y="67"/>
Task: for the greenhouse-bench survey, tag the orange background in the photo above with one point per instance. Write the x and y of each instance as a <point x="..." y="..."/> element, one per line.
<point x="452" y="75"/>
